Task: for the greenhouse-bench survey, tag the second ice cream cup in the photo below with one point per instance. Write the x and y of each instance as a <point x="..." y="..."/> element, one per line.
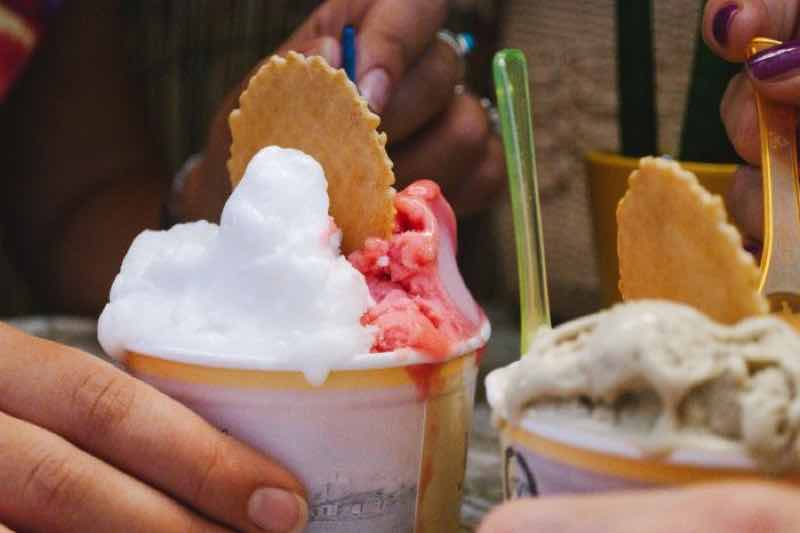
<point x="378" y="449"/>
<point x="544" y="457"/>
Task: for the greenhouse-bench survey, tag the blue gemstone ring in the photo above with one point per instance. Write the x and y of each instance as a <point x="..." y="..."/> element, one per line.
<point x="462" y="43"/>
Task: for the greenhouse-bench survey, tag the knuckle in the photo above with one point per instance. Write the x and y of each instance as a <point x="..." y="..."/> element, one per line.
<point x="323" y="16"/>
<point x="396" y="47"/>
<point x="54" y="482"/>
<point x="208" y="470"/>
<point x="739" y="116"/>
<point x="744" y="201"/>
<point x="445" y="65"/>
<point x="470" y="127"/>
<point x="735" y="194"/>
<point x="103" y="402"/>
<point x="494" y="167"/>
<point x="745" y="137"/>
<point x="731" y="97"/>
<point x="742" y="129"/>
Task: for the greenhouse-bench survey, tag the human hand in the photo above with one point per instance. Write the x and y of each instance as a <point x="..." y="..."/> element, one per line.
<point x="728" y="26"/>
<point x="408" y="77"/>
<point x="85" y="447"/>
<point x="722" y="508"/>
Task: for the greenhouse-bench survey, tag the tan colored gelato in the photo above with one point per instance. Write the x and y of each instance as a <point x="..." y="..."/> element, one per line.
<point x="666" y="376"/>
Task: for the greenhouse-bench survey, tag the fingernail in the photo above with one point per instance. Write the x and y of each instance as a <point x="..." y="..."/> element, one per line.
<point x="753" y="248"/>
<point x="722" y="23"/>
<point x="374" y="87"/>
<point x="278" y="511"/>
<point x="776" y="61"/>
<point x="329" y="50"/>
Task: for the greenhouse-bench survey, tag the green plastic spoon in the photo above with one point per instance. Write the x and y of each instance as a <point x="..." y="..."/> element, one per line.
<point x="513" y="102"/>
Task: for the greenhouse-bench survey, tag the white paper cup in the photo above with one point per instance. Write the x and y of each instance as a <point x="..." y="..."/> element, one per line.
<point x="544" y="457"/>
<point x="378" y="450"/>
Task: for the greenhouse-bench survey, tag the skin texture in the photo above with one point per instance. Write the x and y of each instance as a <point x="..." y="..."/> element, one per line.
<point x="82" y="178"/>
<point x="722" y="508"/>
<point x="776" y="19"/>
<point x="87" y="432"/>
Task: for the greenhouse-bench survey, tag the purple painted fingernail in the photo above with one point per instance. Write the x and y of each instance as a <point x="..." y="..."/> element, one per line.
<point x="775" y="61"/>
<point x="722" y="23"/>
<point x="753" y="248"/>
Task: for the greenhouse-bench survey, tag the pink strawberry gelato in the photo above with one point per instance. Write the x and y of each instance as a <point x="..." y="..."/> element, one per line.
<point x="421" y="300"/>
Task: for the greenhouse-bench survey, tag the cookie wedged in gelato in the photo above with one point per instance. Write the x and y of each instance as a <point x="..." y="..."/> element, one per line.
<point x="269" y="289"/>
<point x="664" y="376"/>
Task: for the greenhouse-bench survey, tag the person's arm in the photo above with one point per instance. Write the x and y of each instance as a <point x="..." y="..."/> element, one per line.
<point x="83" y="176"/>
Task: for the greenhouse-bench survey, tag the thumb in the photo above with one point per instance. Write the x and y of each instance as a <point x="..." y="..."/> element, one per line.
<point x="745" y="203"/>
<point x="729" y="25"/>
<point x="775" y="72"/>
<point x="391" y="36"/>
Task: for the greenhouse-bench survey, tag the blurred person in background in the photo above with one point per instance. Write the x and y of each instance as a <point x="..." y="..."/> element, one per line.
<point x="102" y="104"/>
<point x="727" y="26"/>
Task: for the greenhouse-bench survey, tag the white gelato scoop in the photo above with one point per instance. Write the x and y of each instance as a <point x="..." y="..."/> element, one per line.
<point x="667" y="372"/>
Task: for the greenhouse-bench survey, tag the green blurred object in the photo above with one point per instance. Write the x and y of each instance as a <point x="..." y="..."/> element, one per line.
<point x="703" y="136"/>
<point x="636" y="75"/>
<point x="513" y="103"/>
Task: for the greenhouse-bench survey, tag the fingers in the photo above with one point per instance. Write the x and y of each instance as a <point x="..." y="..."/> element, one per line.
<point x="729" y="25"/>
<point x="485" y="185"/>
<point x="50" y="485"/>
<point x="739" y="115"/>
<point x="729" y="508"/>
<point x="142" y="432"/>
<point x="745" y="203"/>
<point x="326" y="46"/>
<point x="459" y="151"/>
<point x="448" y="149"/>
<point x="391" y="37"/>
<point x="424" y="92"/>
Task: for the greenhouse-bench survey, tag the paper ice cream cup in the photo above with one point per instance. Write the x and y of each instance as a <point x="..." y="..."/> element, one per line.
<point x="543" y="457"/>
<point x="378" y="449"/>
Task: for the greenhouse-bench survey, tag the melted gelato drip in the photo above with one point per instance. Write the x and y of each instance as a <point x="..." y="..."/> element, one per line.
<point x="666" y="374"/>
<point x="421" y="299"/>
